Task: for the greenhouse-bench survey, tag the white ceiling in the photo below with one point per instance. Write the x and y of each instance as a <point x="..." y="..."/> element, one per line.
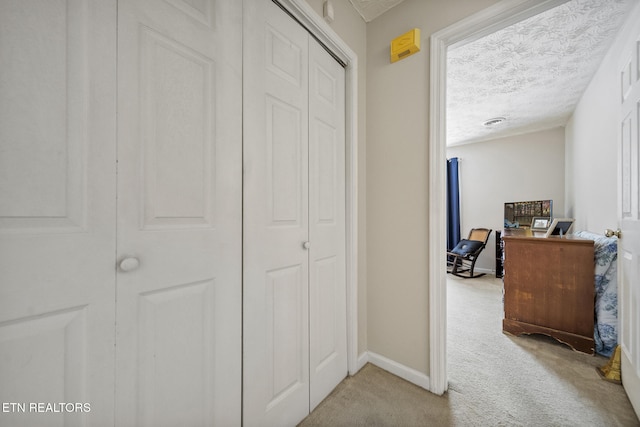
<point x="371" y="9"/>
<point x="532" y="73"/>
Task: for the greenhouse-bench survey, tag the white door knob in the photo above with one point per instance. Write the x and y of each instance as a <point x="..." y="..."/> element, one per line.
<point x="129" y="264"/>
<point x="306" y="245"/>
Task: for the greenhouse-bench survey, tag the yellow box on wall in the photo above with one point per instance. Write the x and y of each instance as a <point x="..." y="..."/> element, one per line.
<point x="405" y="45"/>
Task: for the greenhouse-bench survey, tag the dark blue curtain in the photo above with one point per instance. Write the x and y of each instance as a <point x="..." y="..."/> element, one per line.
<point x="453" y="204"/>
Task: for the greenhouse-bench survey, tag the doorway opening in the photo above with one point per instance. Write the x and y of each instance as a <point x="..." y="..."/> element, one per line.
<point x="475" y="27"/>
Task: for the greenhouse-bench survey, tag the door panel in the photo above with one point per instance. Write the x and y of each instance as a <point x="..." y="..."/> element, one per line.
<point x="284" y="163"/>
<point x="284" y="333"/>
<point x="178" y="349"/>
<point x="176" y="338"/>
<point x="276" y="270"/>
<point x="629" y="219"/>
<point x="178" y="96"/>
<point x="44" y="99"/>
<point x="327" y="286"/>
<point x="57" y="216"/>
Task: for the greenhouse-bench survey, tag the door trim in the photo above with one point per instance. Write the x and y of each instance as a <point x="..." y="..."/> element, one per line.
<point x="319" y="29"/>
<point x="485" y="22"/>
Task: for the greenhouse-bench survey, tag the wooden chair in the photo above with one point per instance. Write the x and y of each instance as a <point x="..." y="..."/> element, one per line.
<point x="461" y="260"/>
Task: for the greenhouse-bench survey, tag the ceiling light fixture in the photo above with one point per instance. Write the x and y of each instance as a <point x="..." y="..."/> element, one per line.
<point x="494" y="121"/>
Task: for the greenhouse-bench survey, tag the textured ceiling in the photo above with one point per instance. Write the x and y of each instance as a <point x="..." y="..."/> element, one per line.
<point x="371" y="9"/>
<point x="532" y="73"/>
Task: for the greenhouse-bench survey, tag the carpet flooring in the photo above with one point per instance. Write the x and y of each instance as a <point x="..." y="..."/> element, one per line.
<point x="494" y="379"/>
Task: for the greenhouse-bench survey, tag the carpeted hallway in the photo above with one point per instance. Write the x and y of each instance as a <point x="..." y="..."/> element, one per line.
<point x="494" y="379"/>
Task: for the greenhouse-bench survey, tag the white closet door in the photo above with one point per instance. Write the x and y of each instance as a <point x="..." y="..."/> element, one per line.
<point x="327" y="269"/>
<point x="57" y="211"/>
<point x="178" y="344"/>
<point x="276" y="268"/>
<point x="294" y="244"/>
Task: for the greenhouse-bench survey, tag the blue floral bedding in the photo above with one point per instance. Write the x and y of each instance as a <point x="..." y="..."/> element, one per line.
<point x="605" y="331"/>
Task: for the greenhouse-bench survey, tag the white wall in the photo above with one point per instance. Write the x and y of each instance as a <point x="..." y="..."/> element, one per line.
<point x="352" y="29"/>
<point x="398" y="180"/>
<point x="592" y="148"/>
<point x="517" y="168"/>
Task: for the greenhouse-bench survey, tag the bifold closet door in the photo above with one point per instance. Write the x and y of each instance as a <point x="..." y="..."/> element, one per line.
<point x="178" y="343"/>
<point x="294" y="327"/>
<point x="327" y="234"/>
<point x="57" y="211"/>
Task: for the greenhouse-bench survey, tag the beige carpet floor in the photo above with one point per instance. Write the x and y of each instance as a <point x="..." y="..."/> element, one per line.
<point x="494" y="379"/>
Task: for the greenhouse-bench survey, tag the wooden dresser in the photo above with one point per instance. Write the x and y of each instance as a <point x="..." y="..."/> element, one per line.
<point x="549" y="287"/>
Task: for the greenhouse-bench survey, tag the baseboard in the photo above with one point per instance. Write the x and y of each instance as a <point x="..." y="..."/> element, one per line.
<point x="363" y="359"/>
<point x="404" y="372"/>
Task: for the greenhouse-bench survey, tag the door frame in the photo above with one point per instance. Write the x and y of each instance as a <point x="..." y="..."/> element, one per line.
<point x="485" y="22"/>
<point x="320" y="30"/>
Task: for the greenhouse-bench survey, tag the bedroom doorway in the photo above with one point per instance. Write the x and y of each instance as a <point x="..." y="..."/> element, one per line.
<point x="476" y="26"/>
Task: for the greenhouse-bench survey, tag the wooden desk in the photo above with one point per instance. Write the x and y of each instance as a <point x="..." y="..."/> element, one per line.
<point x="549" y="287"/>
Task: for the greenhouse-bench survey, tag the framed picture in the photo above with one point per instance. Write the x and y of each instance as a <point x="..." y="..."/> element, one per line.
<point x="540" y="223"/>
<point x="521" y="214"/>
